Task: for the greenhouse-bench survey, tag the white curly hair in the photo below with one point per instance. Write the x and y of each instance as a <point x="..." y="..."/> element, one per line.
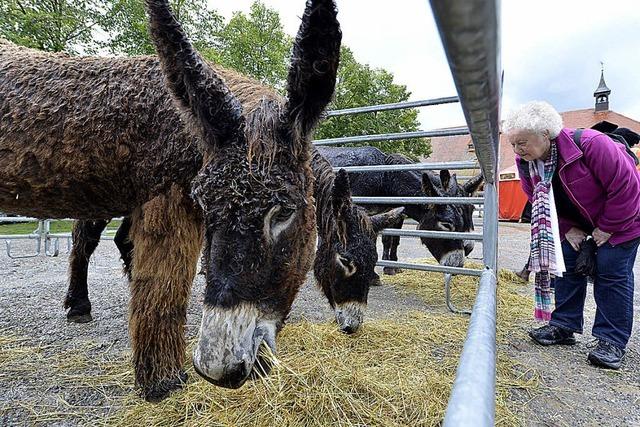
<point x="534" y="116"/>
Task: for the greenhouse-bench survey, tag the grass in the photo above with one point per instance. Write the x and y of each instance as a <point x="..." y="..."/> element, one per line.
<point x="58" y="226"/>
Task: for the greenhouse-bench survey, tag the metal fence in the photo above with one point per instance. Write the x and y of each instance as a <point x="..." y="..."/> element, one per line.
<point x="470" y="34"/>
<point x="45" y="241"/>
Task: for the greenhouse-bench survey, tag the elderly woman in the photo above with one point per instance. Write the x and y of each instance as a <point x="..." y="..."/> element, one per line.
<point x="579" y="189"/>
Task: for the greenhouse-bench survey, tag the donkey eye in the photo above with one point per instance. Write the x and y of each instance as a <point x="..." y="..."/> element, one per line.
<point x="283" y="214"/>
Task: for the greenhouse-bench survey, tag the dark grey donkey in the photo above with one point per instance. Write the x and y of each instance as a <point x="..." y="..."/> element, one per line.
<point x="411" y="184"/>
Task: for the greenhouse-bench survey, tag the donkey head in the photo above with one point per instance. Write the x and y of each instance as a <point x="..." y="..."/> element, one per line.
<point x="448" y="217"/>
<point x="255" y="187"/>
<point x="347" y="256"/>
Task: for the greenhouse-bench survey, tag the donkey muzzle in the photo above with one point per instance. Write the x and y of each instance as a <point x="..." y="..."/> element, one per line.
<point x="227" y="352"/>
<point x="349" y="316"/>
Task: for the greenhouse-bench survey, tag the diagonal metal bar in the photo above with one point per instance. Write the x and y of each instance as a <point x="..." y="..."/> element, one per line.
<point x="393" y="106"/>
<point x="418" y="200"/>
<point x="469" y="164"/>
<point x="470" y="36"/>
<point x="472" y="401"/>
<point x="391" y="136"/>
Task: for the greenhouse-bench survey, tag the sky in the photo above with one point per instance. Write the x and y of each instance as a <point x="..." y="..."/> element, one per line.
<point x="551" y="50"/>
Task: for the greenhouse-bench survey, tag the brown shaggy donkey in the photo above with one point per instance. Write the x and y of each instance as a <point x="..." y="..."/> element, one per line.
<point x="71" y="145"/>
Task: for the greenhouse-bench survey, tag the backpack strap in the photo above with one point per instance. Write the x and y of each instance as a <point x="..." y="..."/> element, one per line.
<point x="577" y="136"/>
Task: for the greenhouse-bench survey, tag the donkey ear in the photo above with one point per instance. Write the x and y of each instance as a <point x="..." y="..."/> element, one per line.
<point x="429" y="187"/>
<point x="387" y="219"/>
<point x="194" y="85"/>
<point x="445" y="178"/>
<point x="473" y="184"/>
<point x="341" y="195"/>
<point x="314" y="65"/>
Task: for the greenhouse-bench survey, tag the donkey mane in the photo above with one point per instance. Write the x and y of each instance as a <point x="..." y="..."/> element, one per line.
<point x="323" y="194"/>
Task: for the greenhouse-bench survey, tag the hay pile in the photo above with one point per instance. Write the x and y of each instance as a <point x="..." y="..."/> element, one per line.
<point x="514" y="297"/>
<point x="393" y="372"/>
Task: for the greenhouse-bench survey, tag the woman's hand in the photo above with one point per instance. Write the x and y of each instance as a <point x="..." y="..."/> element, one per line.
<point x="600" y="236"/>
<point x="575" y="237"/>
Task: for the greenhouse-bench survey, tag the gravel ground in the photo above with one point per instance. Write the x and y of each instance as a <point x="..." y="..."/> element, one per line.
<point x="32" y="290"/>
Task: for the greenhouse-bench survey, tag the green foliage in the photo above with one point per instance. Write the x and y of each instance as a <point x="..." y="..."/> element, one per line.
<point x="51" y="25"/>
<point x="255" y="45"/>
<point x="59" y="226"/>
<point x="126" y="23"/>
<point x="360" y="85"/>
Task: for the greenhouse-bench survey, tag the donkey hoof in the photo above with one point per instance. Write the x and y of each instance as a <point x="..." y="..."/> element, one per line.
<point x="79" y="318"/>
<point x="159" y="391"/>
<point x="391" y="271"/>
<point x="79" y="312"/>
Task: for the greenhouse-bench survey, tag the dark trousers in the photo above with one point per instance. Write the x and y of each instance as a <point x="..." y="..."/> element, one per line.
<point x="612" y="290"/>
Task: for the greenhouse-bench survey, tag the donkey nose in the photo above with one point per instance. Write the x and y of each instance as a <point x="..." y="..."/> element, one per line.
<point x="234" y="375"/>
<point x="348" y="329"/>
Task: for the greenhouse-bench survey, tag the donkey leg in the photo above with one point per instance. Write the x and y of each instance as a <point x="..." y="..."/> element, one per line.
<point x="86" y="236"/>
<point x="125" y="245"/>
<point x="391" y="248"/>
<point x="167" y="237"/>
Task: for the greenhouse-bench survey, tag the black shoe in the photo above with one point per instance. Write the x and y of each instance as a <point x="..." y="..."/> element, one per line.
<point x="606" y="355"/>
<point x="552" y="335"/>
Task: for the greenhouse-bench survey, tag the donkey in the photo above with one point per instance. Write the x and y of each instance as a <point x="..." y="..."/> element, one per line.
<point x="412" y="184"/>
<point x="233" y="160"/>
<point x="345" y="259"/>
<point x="346" y="254"/>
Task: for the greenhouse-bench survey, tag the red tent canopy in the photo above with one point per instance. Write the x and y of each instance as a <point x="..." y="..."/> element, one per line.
<point x="511" y="198"/>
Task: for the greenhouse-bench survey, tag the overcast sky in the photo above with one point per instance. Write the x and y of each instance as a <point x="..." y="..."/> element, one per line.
<point x="551" y="50"/>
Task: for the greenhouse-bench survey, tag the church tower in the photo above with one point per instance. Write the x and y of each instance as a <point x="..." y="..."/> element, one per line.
<point x="602" y="94"/>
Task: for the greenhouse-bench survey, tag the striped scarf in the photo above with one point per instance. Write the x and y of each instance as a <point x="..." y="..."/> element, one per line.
<point x="543" y="259"/>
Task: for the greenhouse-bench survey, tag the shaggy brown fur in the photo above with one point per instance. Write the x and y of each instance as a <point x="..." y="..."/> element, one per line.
<point x="344" y="262"/>
<point x="95" y="138"/>
<point x="160" y="291"/>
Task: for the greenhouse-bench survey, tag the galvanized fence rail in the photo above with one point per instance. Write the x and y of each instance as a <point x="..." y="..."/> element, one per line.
<point x="470" y="34"/>
<point x="46" y="242"/>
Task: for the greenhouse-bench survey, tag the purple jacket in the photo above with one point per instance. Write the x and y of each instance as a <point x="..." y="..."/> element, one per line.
<point x="601" y="180"/>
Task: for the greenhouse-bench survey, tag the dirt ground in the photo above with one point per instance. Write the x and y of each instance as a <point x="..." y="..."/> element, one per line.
<point x="32" y="290"/>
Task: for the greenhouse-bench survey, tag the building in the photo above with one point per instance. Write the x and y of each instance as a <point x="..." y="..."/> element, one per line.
<point x="512" y="200"/>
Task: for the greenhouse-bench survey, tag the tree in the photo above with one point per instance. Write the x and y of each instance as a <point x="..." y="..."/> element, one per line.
<point x="255" y="45"/>
<point x="126" y="24"/>
<point x="51" y="25"/>
<point x="360" y="85"/>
